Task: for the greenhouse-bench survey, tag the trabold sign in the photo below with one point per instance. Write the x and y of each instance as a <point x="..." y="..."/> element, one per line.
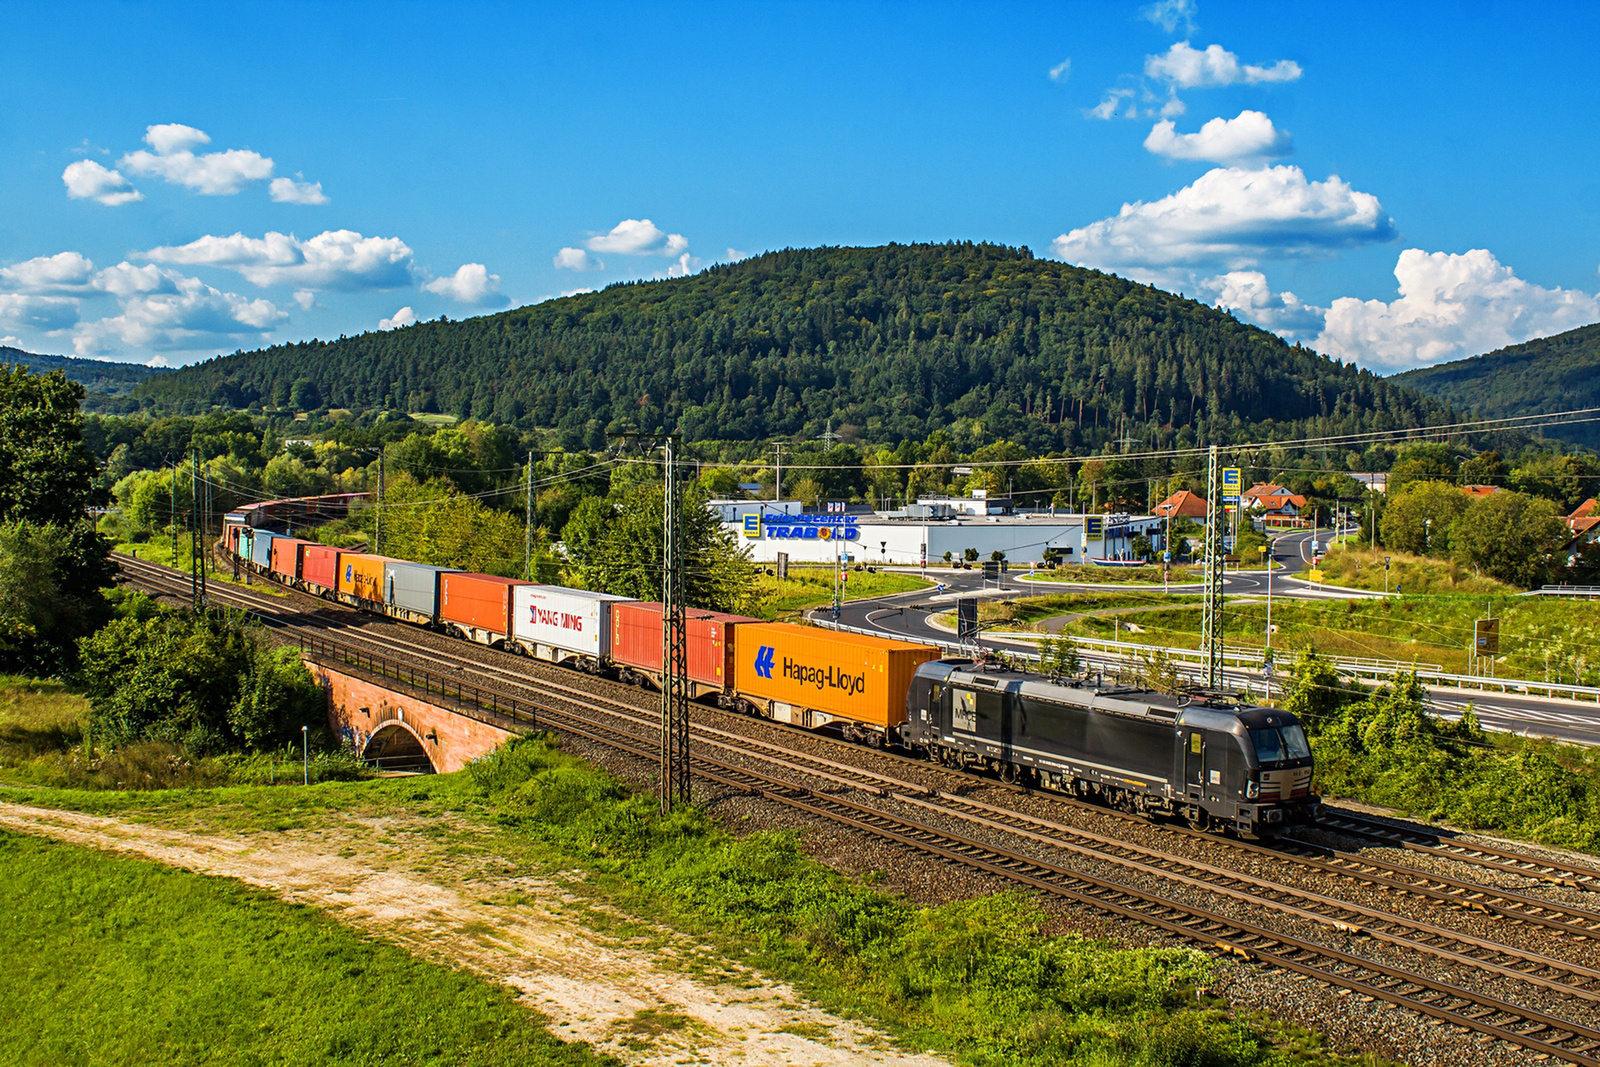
<point x="801" y="527"/>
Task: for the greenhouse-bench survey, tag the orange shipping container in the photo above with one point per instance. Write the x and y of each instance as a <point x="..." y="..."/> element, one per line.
<point x="361" y="575"/>
<point x="480" y="602"/>
<point x="841" y="675"/>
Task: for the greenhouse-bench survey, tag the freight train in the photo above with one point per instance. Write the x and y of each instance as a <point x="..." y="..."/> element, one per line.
<point x="1203" y="758"/>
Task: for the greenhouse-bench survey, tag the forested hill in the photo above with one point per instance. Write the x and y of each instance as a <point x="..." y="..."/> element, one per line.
<point x="96" y="375"/>
<point x="1557" y="373"/>
<point x="887" y="343"/>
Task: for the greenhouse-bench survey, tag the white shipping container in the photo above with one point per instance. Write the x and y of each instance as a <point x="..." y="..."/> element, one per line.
<point x="572" y="620"/>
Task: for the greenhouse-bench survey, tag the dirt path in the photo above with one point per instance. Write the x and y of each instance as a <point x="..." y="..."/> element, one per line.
<point x="509" y="927"/>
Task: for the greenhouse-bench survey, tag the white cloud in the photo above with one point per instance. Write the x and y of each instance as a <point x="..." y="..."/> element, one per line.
<point x="638" y="237"/>
<point x="289" y="191"/>
<point x="10" y="342"/>
<point x="1190" y="68"/>
<point x="126" y="280"/>
<point x="733" y="255"/>
<point x="335" y="259"/>
<point x="64" y="272"/>
<point x="576" y="292"/>
<point x="1247" y="293"/>
<point x="1233" y="218"/>
<point x="1061" y="71"/>
<point x="168" y="137"/>
<point x="88" y="180"/>
<point x="1170" y="14"/>
<point x="1249" y="136"/>
<point x="685" y="266"/>
<point x="1114" y="99"/>
<point x="305" y="298"/>
<point x="189" y="314"/>
<point x="576" y="259"/>
<point x="470" y="284"/>
<point x="404" y="317"/>
<point x="1450" y="306"/>
<point x="212" y="174"/>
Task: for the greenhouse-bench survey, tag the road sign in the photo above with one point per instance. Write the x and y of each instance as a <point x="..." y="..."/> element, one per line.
<point x="1486" y="637"/>
<point x="1232" y="483"/>
<point x="1314" y="575"/>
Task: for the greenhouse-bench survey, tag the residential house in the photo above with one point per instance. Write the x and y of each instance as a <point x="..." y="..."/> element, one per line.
<point x="1181" y="505"/>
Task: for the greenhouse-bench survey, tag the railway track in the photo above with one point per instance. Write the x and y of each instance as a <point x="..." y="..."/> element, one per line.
<point x="571" y="709"/>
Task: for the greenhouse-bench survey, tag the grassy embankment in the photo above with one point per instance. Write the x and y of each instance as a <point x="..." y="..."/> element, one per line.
<point x="113" y="960"/>
<point x="1352" y="565"/>
<point x="990" y="981"/>
<point x="812" y="587"/>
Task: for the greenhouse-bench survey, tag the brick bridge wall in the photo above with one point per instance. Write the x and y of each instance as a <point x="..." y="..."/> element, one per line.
<point x="359" y="707"/>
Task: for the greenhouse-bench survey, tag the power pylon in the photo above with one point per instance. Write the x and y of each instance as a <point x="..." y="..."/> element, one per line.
<point x="674" y="644"/>
<point x="1211" y="618"/>
<point x="197" y="563"/>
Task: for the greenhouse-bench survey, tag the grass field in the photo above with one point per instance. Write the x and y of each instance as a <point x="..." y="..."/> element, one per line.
<point x="1353" y="566"/>
<point x="113" y="960"/>
<point x="160" y="551"/>
<point x="812" y="587"/>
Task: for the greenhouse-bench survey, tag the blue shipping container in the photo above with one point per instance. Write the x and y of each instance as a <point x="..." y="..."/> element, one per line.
<point x="261" y="548"/>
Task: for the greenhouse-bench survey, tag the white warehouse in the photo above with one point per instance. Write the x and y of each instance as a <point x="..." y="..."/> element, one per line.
<point x="904" y="540"/>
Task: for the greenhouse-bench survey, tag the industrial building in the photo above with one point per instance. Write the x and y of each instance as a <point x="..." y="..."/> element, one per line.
<point x="923" y="532"/>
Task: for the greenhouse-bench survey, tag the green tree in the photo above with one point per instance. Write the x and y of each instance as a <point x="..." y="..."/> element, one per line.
<point x="615" y="546"/>
<point x="52" y="562"/>
<point x="1419" y="518"/>
<point x="304" y="395"/>
<point x="205" y="682"/>
<point x="1429" y="461"/>
<point x="434" y="522"/>
<point x="1565" y="480"/>
<point x="47" y="473"/>
<point x="1510" y="536"/>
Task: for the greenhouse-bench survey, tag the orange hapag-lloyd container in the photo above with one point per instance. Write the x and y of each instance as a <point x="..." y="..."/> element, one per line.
<point x="810" y="676"/>
<point x="361" y="575"/>
<point x="479" y="604"/>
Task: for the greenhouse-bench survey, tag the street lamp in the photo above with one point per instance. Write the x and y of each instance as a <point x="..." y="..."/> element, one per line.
<point x="1385" y="575"/>
<point x="1267" y="560"/>
<point x="305" y="750"/>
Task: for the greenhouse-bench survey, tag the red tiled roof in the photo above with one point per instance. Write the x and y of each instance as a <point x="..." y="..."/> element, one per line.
<point x="1182" y="504"/>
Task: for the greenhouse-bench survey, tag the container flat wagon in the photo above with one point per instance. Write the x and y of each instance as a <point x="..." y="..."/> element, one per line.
<point x="568" y="626"/>
<point x="261" y="549"/>
<point x="319" y="570"/>
<point x="477" y="606"/>
<point x="811" y="677"/>
<point x="360" y="579"/>
<point x="285" y="563"/>
<point x="636" y="646"/>
<point x="411" y="591"/>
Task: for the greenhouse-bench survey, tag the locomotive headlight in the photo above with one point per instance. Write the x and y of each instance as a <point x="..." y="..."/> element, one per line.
<point x="1252" y="788"/>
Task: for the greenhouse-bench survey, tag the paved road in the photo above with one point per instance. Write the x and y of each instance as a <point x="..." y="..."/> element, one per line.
<point x="906" y="616"/>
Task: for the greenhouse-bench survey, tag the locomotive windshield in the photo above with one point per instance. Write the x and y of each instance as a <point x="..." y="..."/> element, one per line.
<point x="1274" y="744"/>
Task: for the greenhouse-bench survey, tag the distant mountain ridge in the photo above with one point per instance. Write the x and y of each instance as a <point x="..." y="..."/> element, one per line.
<point x="96" y="375"/>
<point x="1548" y="374"/>
<point x="878" y="344"/>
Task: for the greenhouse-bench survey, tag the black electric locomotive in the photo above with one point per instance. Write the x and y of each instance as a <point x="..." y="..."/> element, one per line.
<point x="1211" y="761"/>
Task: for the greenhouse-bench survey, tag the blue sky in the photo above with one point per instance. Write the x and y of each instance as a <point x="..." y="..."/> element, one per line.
<point x="1393" y="184"/>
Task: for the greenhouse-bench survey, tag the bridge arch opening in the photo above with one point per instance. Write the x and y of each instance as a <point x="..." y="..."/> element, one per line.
<point x="395" y="748"/>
